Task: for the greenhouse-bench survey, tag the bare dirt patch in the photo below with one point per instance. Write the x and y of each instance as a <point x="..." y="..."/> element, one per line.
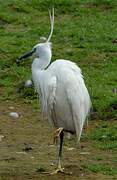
<point x="26" y="148"/>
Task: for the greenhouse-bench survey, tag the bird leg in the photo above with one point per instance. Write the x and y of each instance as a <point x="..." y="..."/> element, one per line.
<point x="59" y="133"/>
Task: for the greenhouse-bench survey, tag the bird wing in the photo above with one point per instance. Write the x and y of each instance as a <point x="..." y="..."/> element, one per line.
<point x="64" y="96"/>
<point x="72" y="82"/>
<point x="47" y="89"/>
<point x="45" y="85"/>
<point x="78" y="98"/>
<point x="51" y="100"/>
<point x="52" y="85"/>
<point x="79" y="106"/>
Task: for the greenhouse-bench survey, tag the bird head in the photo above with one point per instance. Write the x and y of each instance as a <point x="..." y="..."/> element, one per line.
<point x="41" y="48"/>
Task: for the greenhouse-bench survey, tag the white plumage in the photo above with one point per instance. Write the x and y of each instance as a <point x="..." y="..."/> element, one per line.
<point x="63" y="95"/>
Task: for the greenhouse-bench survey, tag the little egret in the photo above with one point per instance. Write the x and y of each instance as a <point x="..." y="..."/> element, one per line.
<point x="63" y="95"/>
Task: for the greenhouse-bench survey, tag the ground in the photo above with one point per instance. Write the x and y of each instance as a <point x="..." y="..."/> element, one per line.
<point x="27" y="149"/>
<point x="85" y="32"/>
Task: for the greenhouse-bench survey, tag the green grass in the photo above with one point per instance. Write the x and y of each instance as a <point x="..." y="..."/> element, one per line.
<point x="41" y="169"/>
<point x="101" y="168"/>
<point x="84" y="31"/>
<point x="103" y="136"/>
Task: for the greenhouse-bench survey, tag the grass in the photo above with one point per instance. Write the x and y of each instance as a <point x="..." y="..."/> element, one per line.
<point x="105" y="169"/>
<point x="104" y="136"/>
<point x="85" y="32"/>
<point x="87" y="40"/>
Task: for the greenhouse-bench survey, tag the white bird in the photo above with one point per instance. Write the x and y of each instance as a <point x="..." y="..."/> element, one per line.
<point x="63" y="95"/>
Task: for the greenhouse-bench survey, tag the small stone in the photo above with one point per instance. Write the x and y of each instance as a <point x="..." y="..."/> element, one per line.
<point x="43" y="38"/>
<point x="115" y="90"/>
<point x="1" y="137"/>
<point x="84" y="153"/>
<point x="70" y="149"/>
<point x="27" y="147"/>
<point x="14" y="115"/>
<point x="11" y="107"/>
<point x="114" y="41"/>
<point x="52" y="164"/>
<point x="32" y="157"/>
<point x="104" y="136"/>
<point x="28" y="83"/>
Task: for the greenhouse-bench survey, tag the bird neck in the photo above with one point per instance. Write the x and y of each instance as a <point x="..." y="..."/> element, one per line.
<point x="41" y="63"/>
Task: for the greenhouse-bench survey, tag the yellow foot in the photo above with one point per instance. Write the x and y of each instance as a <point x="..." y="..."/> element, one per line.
<point x="57" y="134"/>
<point x="58" y="170"/>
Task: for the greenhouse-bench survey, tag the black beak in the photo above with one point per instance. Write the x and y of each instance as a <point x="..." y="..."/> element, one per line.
<point x="24" y="56"/>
